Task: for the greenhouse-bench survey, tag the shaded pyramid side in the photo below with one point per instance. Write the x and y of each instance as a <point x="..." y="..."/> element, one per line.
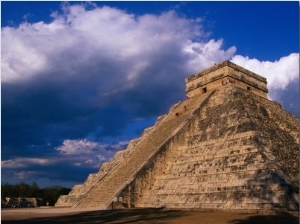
<point x="239" y="151"/>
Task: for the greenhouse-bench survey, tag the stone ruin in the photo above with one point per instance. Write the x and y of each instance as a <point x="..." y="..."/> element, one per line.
<point x="20" y="202"/>
<point x="225" y="147"/>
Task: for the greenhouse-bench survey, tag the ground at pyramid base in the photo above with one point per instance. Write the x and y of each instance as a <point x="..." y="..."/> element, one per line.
<point x="225" y="147"/>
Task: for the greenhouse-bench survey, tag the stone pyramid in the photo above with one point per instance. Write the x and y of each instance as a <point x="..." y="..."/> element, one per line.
<point x="225" y="147"/>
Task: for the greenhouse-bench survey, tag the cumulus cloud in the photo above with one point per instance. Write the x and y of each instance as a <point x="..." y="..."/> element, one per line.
<point x="88" y="153"/>
<point x="203" y="55"/>
<point x="26" y="162"/>
<point x="83" y="146"/>
<point x="71" y="147"/>
<point x="85" y="153"/>
<point x="25" y="175"/>
<point x="82" y="38"/>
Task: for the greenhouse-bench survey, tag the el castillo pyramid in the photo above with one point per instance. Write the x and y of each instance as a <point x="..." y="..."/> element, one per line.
<point x="225" y="147"/>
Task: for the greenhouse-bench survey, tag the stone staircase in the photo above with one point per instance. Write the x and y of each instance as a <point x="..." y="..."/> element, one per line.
<point x="103" y="193"/>
<point x="79" y="191"/>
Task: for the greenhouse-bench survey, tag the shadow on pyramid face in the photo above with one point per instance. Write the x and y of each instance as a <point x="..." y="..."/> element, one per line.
<point x="270" y="187"/>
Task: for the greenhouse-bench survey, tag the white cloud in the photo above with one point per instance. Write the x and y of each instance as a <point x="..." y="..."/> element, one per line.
<point x="25" y="162"/>
<point x="101" y="158"/>
<point x="88" y="153"/>
<point x="83" y="146"/>
<point x="25" y="175"/>
<point x="19" y="59"/>
<point x="203" y="55"/>
<point x="119" y="146"/>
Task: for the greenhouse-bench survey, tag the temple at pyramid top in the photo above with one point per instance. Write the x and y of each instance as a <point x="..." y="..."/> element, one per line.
<point x="223" y="74"/>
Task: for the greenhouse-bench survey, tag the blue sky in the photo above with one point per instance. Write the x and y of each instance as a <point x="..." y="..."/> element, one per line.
<point x="79" y="80"/>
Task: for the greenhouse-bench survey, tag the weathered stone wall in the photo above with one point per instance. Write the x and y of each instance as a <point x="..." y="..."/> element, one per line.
<point x="222" y="65"/>
<point x="20" y="202"/>
<point x="222" y="74"/>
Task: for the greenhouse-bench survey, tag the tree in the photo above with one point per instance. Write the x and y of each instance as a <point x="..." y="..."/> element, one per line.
<point x="22" y="189"/>
<point x="34" y="191"/>
<point x="48" y="194"/>
<point x="61" y="191"/>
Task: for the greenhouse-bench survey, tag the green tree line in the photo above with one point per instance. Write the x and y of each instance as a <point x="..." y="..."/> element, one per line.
<point x="48" y="194"/>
